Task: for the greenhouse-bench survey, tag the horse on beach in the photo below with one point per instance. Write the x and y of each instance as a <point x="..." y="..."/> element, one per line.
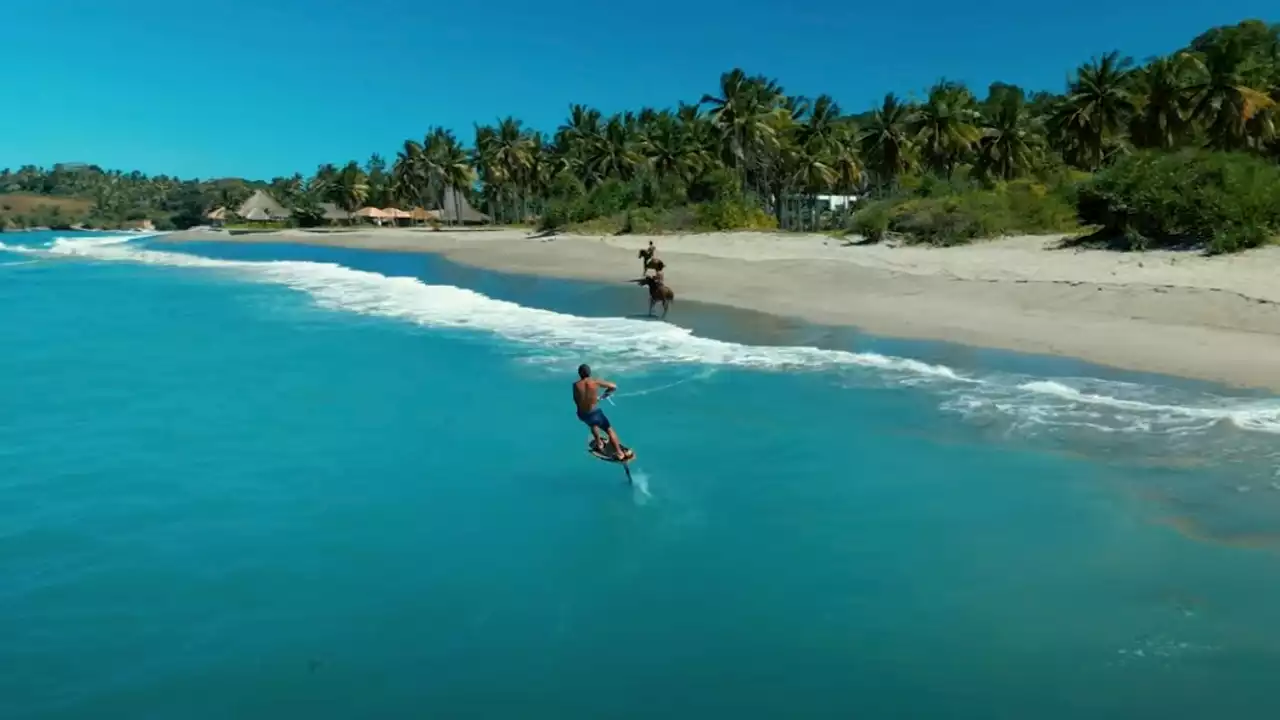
<point x="658" y="293"/>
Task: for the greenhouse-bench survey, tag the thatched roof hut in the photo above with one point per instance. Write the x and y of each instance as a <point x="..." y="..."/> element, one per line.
<point x="333" y="213"/>
<point x="397" y="213"/>
<point x="456" y="209"/>
<point x="370" y="212"/>
<point x="423" y="215"/>
<point x="256" y="214"/>
<point x="216" y="214"/>
<point x="267" y="205"/>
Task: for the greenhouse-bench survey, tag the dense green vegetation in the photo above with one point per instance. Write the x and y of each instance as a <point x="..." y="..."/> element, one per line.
<point x="957" y="213"/>
<point x="1224" y="201"/>
<point x="1180" y="149"/>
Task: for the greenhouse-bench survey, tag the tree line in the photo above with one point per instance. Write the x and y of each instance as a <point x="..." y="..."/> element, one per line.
<point x="753" y="146"/>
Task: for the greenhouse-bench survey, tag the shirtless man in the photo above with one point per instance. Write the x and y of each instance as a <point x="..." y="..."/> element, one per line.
<point x="586" y="397"/>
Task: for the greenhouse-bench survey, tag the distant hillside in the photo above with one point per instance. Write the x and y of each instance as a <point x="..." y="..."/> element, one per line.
<point x="25" y="203"/>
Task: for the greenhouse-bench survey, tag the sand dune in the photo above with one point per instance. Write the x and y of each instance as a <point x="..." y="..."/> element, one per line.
<point x="1214" y="318"/>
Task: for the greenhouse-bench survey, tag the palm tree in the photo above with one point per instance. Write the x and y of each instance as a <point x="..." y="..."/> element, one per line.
<point x="699" y="141"/>
<point x="811" y="148"/>
<point x="887" y="144"/>
<point x="512" y="159"/>
<point x="574" y="141"/>
<point x="287" y="190"/>
<point x="230" y="197"/>
<point x="1088" y="123"/>
<point x="616" y="152"/>
<point x="1230" y="91"/>
<point x="349" y="187"/>
<point x="742" y="113"/>
<point x="811" y="173"/>
<point x="845" y="161"/>
<point x="447" y="165"/>
<point x="1162" y="94"/>
<point x="946" y="126"/>
<point x="1263" y="128"/>
<point x="379" y="181"/>
<point x="1009" y="141"/>
<point x="408" y="175"/>
<point x="541" y="170"/>
<point x="490" y="174"/>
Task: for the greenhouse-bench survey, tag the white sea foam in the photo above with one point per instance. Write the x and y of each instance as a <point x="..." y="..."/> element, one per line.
<point x="1260" y="415"/>
<point x="640" y="487"/>
<point x="1104" y="406"/>
<point x="445" y="306"/>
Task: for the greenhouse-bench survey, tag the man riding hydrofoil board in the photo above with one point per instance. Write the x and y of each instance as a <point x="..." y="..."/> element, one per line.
<point x="586" y="396"/>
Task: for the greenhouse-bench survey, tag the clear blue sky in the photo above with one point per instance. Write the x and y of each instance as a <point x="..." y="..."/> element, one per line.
<point x="258" y="88"/>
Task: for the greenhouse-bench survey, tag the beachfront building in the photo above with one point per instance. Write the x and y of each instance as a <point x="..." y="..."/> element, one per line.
<point x="836" y="202"/>
<point x="261" y="207"/>
<point x="372" y="214"/>
<point x="826" y="203"/>
<point x="395" y="215"/>
<point x="422" y="216"/>
<point x="333" y="214"/>
<point x="216" y="216"/>
<point x="456" y="210"/>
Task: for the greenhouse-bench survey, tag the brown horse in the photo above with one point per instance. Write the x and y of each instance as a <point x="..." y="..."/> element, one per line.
<point x="658" y="293"/>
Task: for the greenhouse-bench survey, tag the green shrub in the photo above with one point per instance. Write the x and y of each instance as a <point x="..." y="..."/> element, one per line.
<point x="640" y="221"/>
<point x="1035" y="206"/>
<point x="952" y="218"/>
<point x="608" y="198"/>
<point x="604" y="202"/>
<point x="612" y="225"/>
<point x="872" y="221"/>
<point x="554" y="217"/>
<point x="705" y="217"/>
<point x="677" y="220"/>
<point x="732" y="214"/>
<point x="719" y="184"/>
<point x="1223" y="202"/>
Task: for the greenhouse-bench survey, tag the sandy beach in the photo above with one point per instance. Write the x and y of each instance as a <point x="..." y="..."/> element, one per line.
<point x="1211" y="318"/>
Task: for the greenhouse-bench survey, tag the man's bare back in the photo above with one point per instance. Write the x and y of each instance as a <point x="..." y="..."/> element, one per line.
<point x="586" y="394"/>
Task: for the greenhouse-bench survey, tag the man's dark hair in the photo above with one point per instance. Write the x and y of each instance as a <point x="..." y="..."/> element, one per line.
<point x="584" y="371"/>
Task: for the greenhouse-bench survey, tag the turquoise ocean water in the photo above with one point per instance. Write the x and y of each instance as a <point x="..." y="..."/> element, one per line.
<point x="262" y="482"/>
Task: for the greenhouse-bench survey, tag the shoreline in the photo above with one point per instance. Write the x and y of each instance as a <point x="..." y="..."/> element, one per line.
<point x="1171" y="313"/>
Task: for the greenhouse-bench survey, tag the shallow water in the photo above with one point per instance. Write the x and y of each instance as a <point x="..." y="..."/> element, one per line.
<point x="258" y="480"/>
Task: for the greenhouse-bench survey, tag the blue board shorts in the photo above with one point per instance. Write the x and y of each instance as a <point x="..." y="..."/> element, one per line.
<point x="595" y="418"/>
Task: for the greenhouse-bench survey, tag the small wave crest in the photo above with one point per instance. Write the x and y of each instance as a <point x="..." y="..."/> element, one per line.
<point x="37" y="243"/>
<point x="1259" y="415"/>
<point x="1111" y="406"/>
<point x="1098" y="405"/>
